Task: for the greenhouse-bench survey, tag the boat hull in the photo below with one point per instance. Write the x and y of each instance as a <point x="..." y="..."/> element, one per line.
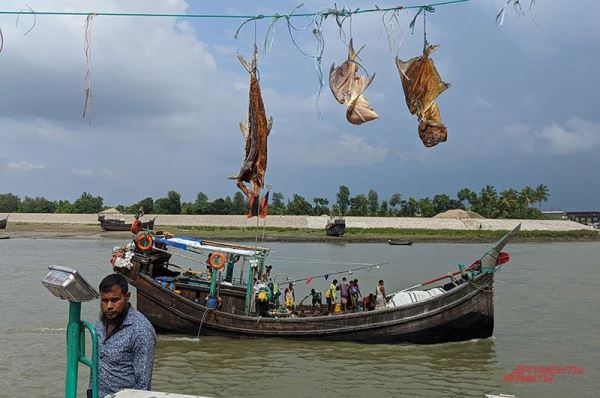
<point x="3" y="223"/>
<point x="119" y="225"/>
<point x="464" y="313"/>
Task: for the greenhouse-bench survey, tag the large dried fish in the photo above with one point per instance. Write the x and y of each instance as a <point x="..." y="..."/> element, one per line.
<point x="255" y="133"/>
<point x="422" y="84"/>
<point x="348" y="89"/>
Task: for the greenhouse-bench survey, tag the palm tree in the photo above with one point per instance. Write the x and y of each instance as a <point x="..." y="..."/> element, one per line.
<point x="488" y="199"/>
<point x="507" y="203"/>
<point x="528" y="196"/>
<point x="541" y="194"/>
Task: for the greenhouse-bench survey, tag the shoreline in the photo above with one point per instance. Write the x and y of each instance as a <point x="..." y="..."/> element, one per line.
<point x="279" y="234"/>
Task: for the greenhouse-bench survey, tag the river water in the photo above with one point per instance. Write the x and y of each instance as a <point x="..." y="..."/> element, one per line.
<point x="546" y="306"/>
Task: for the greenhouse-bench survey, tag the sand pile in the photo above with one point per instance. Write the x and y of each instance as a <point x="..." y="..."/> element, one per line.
<point x="458" y="214"/>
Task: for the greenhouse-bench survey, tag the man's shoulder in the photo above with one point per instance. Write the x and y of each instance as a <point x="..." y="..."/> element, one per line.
<point x="140" y="321"/>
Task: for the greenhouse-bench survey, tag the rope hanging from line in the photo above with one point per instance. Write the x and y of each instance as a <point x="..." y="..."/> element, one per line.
<point x="87" y="106"/>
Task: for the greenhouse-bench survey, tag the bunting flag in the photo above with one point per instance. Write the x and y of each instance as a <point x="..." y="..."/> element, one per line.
<point x="309" y="280"/>
<point x="252" y="207"/>
<point x="264" y="205"/>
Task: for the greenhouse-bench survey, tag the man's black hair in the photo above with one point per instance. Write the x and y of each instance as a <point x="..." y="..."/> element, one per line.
<point x="111" y="280"/>
<point x="335" y="281"/>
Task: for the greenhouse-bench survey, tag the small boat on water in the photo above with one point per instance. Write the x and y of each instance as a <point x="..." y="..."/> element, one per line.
<point x="3" y="222"/>
<point x="336" y="226"/>
<point x="4" y="237"/>
<point x="400" y="242"/>
<point x="118" y="224"/>
<point x="178" y="300"/>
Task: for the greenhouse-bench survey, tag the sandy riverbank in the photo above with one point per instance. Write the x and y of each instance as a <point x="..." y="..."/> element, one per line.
<point x="302" y="228"/>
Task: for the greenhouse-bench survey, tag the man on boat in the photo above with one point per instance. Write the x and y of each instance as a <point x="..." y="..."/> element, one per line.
<point x="330" y="296"/>
<point x="380" y="300"/>
<point x="290" y="297"/>
<point x="344" y="289"/>
<point x="316" y="298"/>
<point x="126" y="341"/>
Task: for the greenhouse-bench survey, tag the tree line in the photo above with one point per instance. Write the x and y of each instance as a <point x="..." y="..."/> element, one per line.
<point x="509" y="203"/>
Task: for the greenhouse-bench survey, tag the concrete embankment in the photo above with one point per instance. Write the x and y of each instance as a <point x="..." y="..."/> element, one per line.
<point x="310" y="222"/>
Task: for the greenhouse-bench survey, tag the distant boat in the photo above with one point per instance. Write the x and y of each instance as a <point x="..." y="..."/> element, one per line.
<point x="400" y="242"/>
<point x="336" y="227"/>
<point x="109" y="224"/>
<point x="3" y="222"/>
<point x="5" y="237"/>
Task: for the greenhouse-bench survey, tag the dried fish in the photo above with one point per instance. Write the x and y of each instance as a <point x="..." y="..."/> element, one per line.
<point x="255" y="133"/>
<point x="422" y="84"/>
<point x="348" y="88"/>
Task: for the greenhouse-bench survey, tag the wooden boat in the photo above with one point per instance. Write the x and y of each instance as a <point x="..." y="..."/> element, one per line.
<point x="4" y="237"/>
<point x="3" y="222"/>
<point x="335" y="227"/>
<point x="400" y="242"/>
<point x="190" y="303"/>
<point x="108" y="224"/>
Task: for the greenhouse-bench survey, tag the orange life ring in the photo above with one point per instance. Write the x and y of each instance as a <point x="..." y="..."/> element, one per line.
<point x="136" y="226"/>
<point x="144" y="242"/>
<point x="217" y="260"/>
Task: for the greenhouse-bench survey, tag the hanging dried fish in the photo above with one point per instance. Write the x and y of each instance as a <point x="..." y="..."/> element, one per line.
<point x="255" y="133"/>
<point x="348" y="89"/>
<point x="422" y="85"/>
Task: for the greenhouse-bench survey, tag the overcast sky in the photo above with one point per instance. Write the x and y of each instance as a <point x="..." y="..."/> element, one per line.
<point x="168" y="95"/>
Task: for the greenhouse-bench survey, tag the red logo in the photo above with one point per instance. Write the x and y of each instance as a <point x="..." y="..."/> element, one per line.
<point x="540" y="374"/>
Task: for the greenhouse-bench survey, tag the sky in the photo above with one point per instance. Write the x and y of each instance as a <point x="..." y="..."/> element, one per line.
<point x="168" y="94"/>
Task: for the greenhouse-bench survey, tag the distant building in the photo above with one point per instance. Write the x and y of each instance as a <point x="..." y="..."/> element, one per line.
<point x="584" y="217"/>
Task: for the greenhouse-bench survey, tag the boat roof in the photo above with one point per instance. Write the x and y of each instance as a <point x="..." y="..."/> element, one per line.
<point x="187" y="243"/>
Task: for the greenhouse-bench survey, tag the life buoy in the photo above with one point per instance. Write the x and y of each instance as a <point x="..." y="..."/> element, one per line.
<point x="144" y="242"/>
<point x="217" y="260"/>
<point x="136" y="226"/>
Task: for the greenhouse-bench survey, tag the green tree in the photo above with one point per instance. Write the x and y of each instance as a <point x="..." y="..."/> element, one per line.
<point x="88" y="204"/>
<point x="9" y="203"/>
<point x="383" y="209"/>
<point x="487" y="201"/>
<point x="239" y="204"/>
<point x="277" y="205"/>
<point x="321" y="206"/>
<point x="169" y="205"/>
<point x="442" y="203"/>
<point x="528" y="196"/>
<point x="219" y="206"/>
<point x="426" y="207"/>
<point x="63" y="206"/>
<point x="187" y="208"/>
<point x="395" y="202"/>
<point x="467" y="197"/>
<point x="541" y="194"/>
<point x="147" y="204"/>
<point x="201" y="204"/>
<point x="410" y="207"/>
<point x="343" y="199"/>
<point x="299" y="206"/>
<point x="373" y="202"/>
<point x="359" y="205"/>
<point x="38" y="204"/>
<point x="508" y="203"/>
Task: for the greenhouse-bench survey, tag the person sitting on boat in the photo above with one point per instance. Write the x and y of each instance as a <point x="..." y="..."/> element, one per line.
<point x="369" y="302"/>
<point x="380" y="300"/>
<point x="330" y="296"/>
<point x="290" y="297"/>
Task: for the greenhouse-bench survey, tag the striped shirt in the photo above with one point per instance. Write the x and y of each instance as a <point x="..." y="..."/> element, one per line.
<point x="127" y="356"/>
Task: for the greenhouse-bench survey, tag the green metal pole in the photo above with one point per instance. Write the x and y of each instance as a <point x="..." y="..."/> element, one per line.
<point x="229" y="271"/>
<point x="214" y="274"/>
<point x="73" y="330"/>
<point x="249" y="289"/>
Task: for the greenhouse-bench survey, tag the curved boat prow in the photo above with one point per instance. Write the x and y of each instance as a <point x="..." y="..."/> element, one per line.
<point x="491" y="257"/>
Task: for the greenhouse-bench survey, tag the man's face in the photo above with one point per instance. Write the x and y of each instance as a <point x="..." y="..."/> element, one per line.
<point x="114" y="302"/>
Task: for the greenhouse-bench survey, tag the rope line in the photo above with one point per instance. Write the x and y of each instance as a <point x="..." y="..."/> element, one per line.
<point x="336" y="12"/>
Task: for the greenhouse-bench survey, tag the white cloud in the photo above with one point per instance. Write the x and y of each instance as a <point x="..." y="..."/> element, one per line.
<point x="346" y="150"/>
<point x="576" y="136"/>
<point x="23" y="166"/>
<point x="92" y="173"/>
